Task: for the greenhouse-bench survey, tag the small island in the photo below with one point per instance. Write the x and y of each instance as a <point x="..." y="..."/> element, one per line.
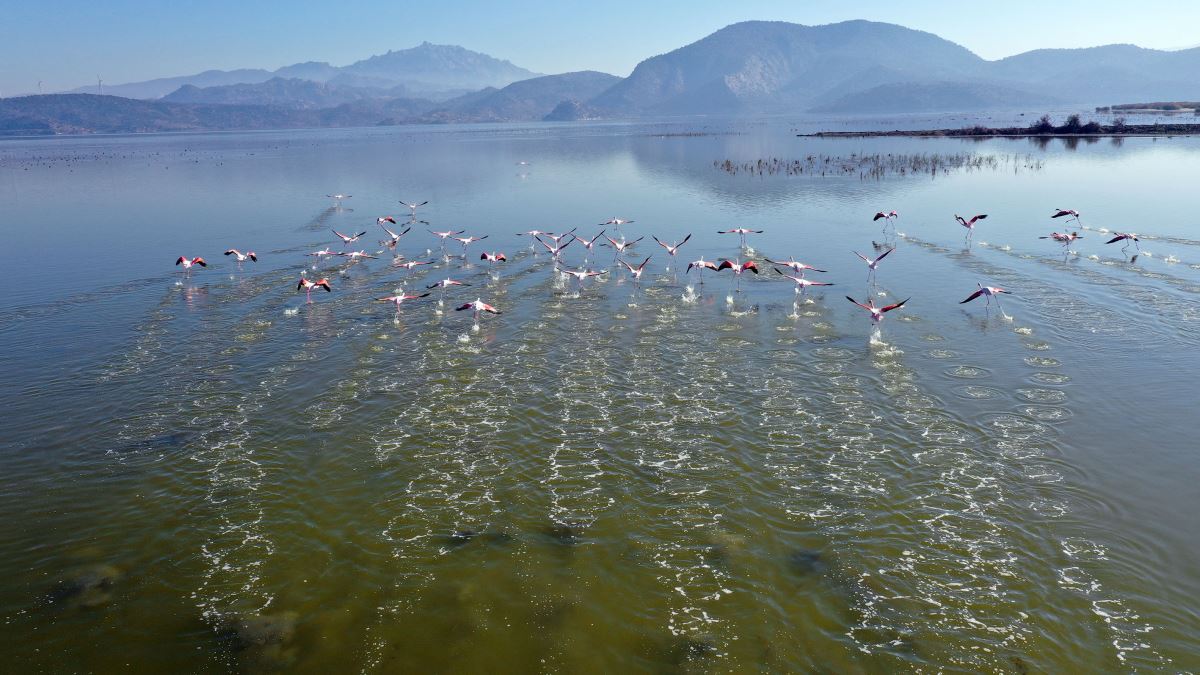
<point x="1044" y="127"/>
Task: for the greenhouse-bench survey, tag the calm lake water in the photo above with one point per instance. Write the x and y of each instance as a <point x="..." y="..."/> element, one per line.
<point x="207" y="473"/>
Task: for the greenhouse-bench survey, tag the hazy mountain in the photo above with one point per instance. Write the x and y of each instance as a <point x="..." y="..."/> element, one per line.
<point x="1112" y="73"/>
<point x="424" y="69"/>
<point x="89" y="113"/>
<point x="771" y="66"/>
<point x="526" y="100"/>
<point x="287" y="93"/>
<point x="861" y="66"/>
<point x="438" y="67"/>
<point x="936" y="97"/>
<point x="166" y="85"/>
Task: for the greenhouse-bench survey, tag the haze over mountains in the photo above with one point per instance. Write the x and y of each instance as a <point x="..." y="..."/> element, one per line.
<point x="754" y="67"/>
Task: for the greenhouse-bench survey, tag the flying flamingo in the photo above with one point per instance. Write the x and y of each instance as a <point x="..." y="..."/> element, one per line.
<point x="619" y="247"/>
<point x="636" y="272"/>
<point x="1066" y="239"/>
<point x="969" y="224"/>
<point x="672" y="250"/>
<point x="393" y="239"/>
<point x="738" y="268"/>
<point x="556" y="249"/>
<point x="323" y="253"/>
<point x="616" y="222"/>
<point x="1125" y="237"/>
<point x="308" y="286"/>
<point x="587" y="243"/>
<point x="534" y="234"/>
<point x="477" y="306"/>
<point x="987" y="292"/>
<point x="339" y="197"/>
<point x="795" y="266"/>
<point x="357" y="255"/>
<point x="701" y="265"/>
<point x="443" y="285"/>
<point x="580" y="275"/>
<point x="188" y="262"/>
<point x="346" y="239"/>
<point x="242" y="257"/>
<point x="467" y="241"/>
<point x="399" y="298"/>
<point x="558" y="237"/>
<point x="1059" y="213"/>
<point x="887" y="218"/>
<point x="409" y="265"/>
<point x="414" y="207"/>
<point x="443" y="236"/>
<point x="877" y="312"/>
<point x="873" y="265"/>
<point x="741" y="232"/>
<point x="802" y="284"/>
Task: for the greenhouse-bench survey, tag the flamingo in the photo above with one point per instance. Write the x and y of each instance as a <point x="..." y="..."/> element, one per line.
<point x="587" y="243"/>
<point x="357" y="255"/>
<point x="493" y="257"/>
<point x="1125" y="237"/>
<point x="188" y="262"/>
<point x="323" y="253"/>
<point x="741" y="232"/>
<point x="443" y="285"/>
<point x="443" y="236"/>
<point x="802" y="284"/>
<point x="477" y="306"/>
<point x="466" y="241"/>
<point x="616" y="222"/>
<point x="409" y="265"/>
<point x="795" y="266"/>
<point x="414" y="207"/>
<point x="308" y="286"/>
<point x="1059" y="213"/>
<point x="873" y="265"/>
<point x="393" y="239"/>
<point x="738" y="268"/>
<point x="1066" y="239"/>
<point x="877" y="312"/>
<point x="636" y="272"/>
<point x="672" y="250"/>
<point x="580" y="275"/>
<point x="619" y="247"/>
<point x="969" y="224"/>
<point x="242" y="257"/>
<point x="346" y="239"/>
<point x="557" y="237"/>
<point x="701" y="265"/>
<point x="886" y="217"/>
<point x="534" y="234"/>
<point x="556" y="249"/>
<point x="339" y="197"/>
<point x="399" y="298"/>
<point x="987" y="292"/>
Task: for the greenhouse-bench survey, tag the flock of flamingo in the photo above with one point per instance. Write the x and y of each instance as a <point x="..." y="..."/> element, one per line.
<point x="556" y="243"/>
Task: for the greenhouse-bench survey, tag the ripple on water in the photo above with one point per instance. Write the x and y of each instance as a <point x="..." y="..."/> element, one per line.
<point x="1015" y="426"/>
<point x="833" y="353"/>
<point x="1042" y="395"/>
<point x="1050" y="378"/>
<point x="1042" y="361"/>
<point x="1036" y="345"/>
<point x="830" y="367"/>
<point x="1047" y="413"/>
<point x="931" y="337"/>
<point x="978" y="392"/>
<point x="968" y="372"/>
<point x="942" y="354"/>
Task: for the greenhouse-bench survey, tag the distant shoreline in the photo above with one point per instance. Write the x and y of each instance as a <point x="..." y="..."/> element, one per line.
<point x="1125" y="130"/>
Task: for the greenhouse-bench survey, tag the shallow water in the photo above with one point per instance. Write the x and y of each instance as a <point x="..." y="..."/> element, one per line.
<point x="209" y="473"/>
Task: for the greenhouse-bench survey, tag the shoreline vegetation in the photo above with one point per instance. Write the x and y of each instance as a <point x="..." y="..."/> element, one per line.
<point x="1044" y="127"/>
<point x="877" y="166"/>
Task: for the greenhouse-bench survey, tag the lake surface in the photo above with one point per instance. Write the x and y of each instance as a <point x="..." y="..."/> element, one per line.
<point x="207" y="473"/>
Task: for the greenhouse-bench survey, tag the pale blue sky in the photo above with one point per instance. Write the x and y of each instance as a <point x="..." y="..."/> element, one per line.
<point x="67" y="43"/>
